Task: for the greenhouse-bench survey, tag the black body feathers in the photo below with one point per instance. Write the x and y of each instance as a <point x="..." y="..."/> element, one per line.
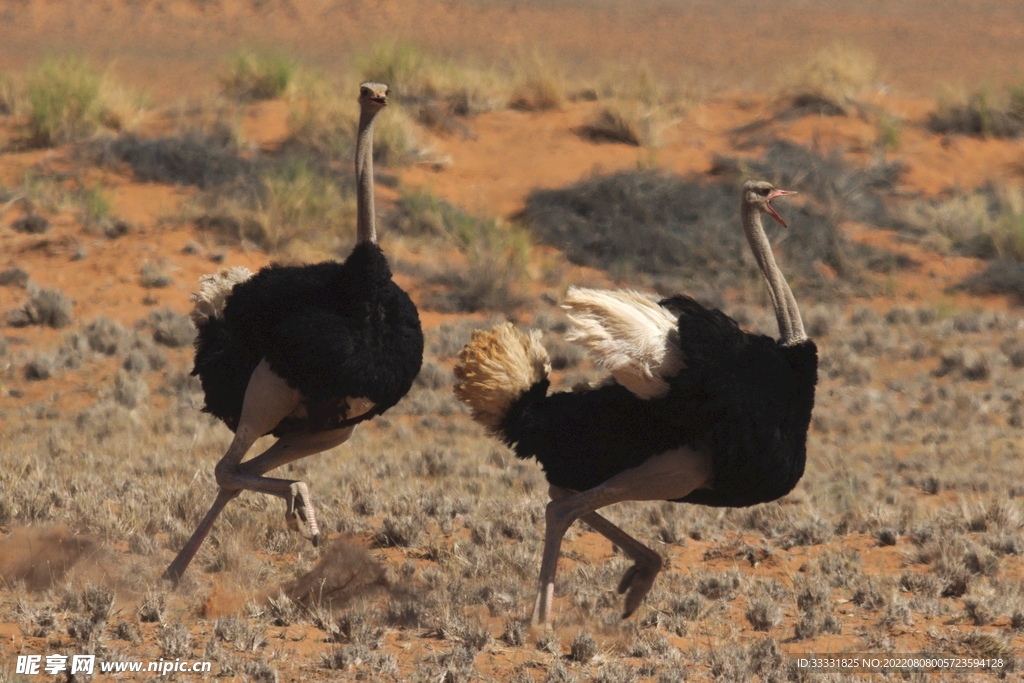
<point x="330" y="330"/>
<point x="742" y="398"/>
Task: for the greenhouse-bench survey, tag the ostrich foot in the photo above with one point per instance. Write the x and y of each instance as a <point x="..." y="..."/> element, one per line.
<point x="638" y="581"/>
<point x="542" y="608"/>
<point x="300" y="515"/>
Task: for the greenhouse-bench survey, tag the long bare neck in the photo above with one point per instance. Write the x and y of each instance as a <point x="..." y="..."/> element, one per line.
<point x="791" y="326"/>
<point x="366" y="228"/>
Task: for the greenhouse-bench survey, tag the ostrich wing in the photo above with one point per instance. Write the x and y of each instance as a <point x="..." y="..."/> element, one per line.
<point x="628" y="334"/>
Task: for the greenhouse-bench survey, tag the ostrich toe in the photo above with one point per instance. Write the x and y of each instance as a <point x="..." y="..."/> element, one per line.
<point x="637" y="582"/>
<point x="301" y="515"/>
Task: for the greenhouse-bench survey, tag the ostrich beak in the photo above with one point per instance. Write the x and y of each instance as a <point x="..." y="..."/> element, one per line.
<point x="771" y="209"/>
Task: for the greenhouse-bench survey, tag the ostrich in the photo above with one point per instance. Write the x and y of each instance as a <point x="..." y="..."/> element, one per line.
<point x="696" y="411"/>
<point x="303" y="353"/>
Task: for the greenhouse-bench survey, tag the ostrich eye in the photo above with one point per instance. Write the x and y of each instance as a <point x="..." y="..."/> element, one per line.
<point x="764" y="191"/>
<point x="364" y="92"/>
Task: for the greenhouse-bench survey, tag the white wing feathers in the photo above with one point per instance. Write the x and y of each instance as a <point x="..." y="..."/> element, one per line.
<point x="628" y="334"/>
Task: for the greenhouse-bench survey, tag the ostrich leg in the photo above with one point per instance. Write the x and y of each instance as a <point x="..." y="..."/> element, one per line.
<point x="670" y="475"/>
<point x="268" y="399"/>
<point x="638" y="579"/>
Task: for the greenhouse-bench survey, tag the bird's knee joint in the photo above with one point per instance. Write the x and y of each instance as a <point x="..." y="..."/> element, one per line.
<point x="225" y="475"/>
<point x="557" y="515"/>
<point x="657" y="563"/>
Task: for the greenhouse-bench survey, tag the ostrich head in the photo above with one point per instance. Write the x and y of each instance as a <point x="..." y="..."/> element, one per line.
<point x="373" y="96"/>
<point x="758" y="194"/>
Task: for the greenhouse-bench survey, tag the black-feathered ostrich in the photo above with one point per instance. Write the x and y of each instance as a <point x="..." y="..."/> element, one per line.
<point x="697" y="410"/>
<point x="303" y="353"/>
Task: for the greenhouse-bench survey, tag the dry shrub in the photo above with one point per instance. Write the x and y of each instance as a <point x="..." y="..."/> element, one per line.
<point x="981" y="113"/>
<point x="130" y="390"/>
<point x="12" y="99"/>
<point x="583" y="648"/>
<point x="171" y="329"/>
<point x="153" y="276"/>
<point x="653" y="222"/>
<point x="1000" y="276"/>
<point x="14" y="277"/>
<point x="32" y="224"/>
<point x="630" y="123"/>
<point x="107" y="336"/>
<point x="539" y="84"/>
<point x="324" y="124"/>
<point x="496" y="254"/>
<point x="283" y="207"/>
<point x="255" y="75"/>
<point x="988" y="223"/>
<point x="433" y="89"/>
<point x="48" y="307"/>
<point x="205" y="158"/>
<point x="763" y="613"/>
<point x="175" y="640"/>
<point x="832" y="81"/>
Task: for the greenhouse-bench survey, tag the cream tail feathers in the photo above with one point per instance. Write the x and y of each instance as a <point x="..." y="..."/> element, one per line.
<point x="628" y="334"/>
<point x="213" y="293"/>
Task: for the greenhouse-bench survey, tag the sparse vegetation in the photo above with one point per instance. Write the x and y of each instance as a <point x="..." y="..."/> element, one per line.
<point x="653" y="222"/>
<point x="988" y="223"/>
<point x="496" y="254"/>
<point x="68" y="101"/>
<point x="539" y="84"/>
<point x="255" y="75"/>
<point x="905" y="533"/>
<point x="632" y="124"/>
<point x="832" y="82"/>
<point x="982" y="113"/>
<point x="64" y="96"/>
<point x="323" y="124"/>
<point x="49" y="307"/>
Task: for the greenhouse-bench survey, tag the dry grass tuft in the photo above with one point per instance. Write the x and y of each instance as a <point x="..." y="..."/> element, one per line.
<point x="50" y="307"/>
<point x="630" y="123"/>
<point x="539" y="84"/>
<point x="254" y="75"/>
<point x="68" y="101"/>
<point x="981" y="114"/>
<point x="323" y="124"/>
<point x="496" y="255"/>
<point x="988" y="223"/>
<point x="832" y="82"/>
<point x="172" y="329"/>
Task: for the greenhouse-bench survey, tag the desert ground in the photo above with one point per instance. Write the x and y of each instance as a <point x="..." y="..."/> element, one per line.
<point x="528" y="146"/>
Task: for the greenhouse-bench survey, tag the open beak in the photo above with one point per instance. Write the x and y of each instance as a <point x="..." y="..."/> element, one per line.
<point x="382" y="101"/>
<point x="771" y="209"/>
